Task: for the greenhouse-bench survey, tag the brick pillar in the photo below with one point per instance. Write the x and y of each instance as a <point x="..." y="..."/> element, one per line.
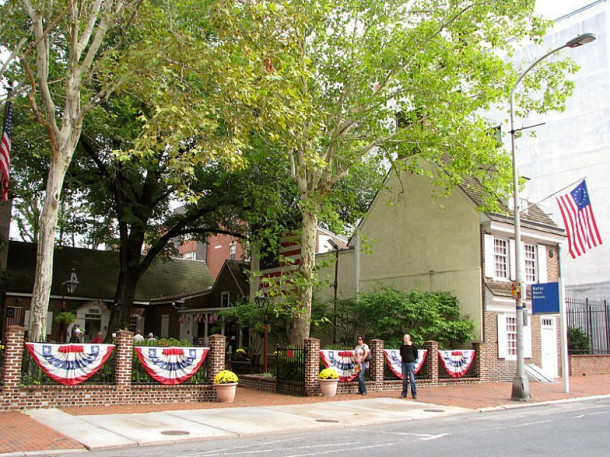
<point x="312" y="366"/>
<point x="216" y="357"/>
<point x="13" y="357"/>
<point x="431" y="372"/>
<point x="478" y="358"/>
<point x="123" y="361"/>
<point x="377" y="364"/>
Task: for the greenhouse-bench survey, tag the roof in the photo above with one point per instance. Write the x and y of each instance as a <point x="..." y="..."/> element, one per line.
<point x="98" y="273"/>
<point x="534" y="217"/>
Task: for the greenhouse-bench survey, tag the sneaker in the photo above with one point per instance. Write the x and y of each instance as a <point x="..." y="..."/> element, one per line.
<point x="404" y="395"/>
<point x="414" y="397"/>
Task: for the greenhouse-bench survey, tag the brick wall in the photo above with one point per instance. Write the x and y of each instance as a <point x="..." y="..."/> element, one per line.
<point x="15" y="396"/>
<point x="582" y="365"/>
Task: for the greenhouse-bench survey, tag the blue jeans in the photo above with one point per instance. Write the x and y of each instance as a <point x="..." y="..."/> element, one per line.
<point x="361" y="384"/>
<point x="408" y="374"/>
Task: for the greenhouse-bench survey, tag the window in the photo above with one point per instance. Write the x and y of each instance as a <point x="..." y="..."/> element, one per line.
<point x="188" y="255"/>
<point x="224" y="300"/>
<point x="233" y="250"/>
<point x="511" y="336"/>
<point x="530" y="263"/>
<point x="500" y="258"/>
<point x="507" y="337"/>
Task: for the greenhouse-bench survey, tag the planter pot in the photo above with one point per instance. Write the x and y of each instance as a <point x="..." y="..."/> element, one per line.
<point x="225" y="392"/>
<point x="328" y="387"/>
<point x="241" y="367"/>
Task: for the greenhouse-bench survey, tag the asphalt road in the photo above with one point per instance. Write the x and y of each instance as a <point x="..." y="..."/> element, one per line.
<point x="574" y="429"/>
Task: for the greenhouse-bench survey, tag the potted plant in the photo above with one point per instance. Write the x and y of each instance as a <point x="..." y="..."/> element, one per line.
<point x="329" y="378"/>
<point x="64" y="319"/>
<point x="240" y="363"/>
<point x="225" y="383"/>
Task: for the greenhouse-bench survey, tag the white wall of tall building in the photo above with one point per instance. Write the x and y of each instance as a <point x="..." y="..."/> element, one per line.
<point x="574" y="144"/>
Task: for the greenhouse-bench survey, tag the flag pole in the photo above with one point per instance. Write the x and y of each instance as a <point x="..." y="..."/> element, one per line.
<point x="554" y="193"/>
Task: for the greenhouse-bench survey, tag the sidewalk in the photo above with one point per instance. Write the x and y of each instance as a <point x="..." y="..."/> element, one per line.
<point x="79" y="429"/>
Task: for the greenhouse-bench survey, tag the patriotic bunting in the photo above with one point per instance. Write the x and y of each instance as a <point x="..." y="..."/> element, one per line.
<point x="392" y="357"/>
<point x="70" y="364"/>
<point x="342" y="361"/>
<point x="171" y="365"/>
<point x="456" y="363"/>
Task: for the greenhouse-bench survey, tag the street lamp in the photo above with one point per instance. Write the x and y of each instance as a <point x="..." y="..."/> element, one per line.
<point x="262" y="301"/>
<point x="336" y="248"/>
<point x="521" y="389"/>
<point x="69" y="286"/>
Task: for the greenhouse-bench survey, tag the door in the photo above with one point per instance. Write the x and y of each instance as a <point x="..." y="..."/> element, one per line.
<point x="549" y="346"/>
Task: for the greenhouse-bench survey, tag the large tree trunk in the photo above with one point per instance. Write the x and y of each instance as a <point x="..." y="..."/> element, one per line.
<point x="307" y="273"/>
<point x="46" y="242"/>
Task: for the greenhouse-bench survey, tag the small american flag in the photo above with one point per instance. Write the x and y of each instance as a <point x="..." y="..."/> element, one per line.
<point x="5" y="151"/>
<point x="579" y="221"/>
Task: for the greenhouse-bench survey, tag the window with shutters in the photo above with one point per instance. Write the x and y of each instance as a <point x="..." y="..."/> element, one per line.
<point x="501" y="258"/>
<point x="529" y="252"/>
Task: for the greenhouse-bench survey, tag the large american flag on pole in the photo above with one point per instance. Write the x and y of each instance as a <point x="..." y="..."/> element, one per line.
<point x="577" y="213"/>
<point x="5" y="151"/>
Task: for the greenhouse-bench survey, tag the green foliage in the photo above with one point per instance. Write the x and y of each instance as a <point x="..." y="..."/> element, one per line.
<point x="578" y="341"/>
<point x="65" y="317"/>
<point x="388" y="314"/>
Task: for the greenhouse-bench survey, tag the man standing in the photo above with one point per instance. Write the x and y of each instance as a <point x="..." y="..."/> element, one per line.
<point x="408" y="354"/>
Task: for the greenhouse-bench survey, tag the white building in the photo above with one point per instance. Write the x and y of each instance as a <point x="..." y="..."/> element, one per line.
<point x="574" y="144"/>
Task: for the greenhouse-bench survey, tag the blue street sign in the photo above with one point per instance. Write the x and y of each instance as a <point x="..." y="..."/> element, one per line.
<point x="545" y="298"/>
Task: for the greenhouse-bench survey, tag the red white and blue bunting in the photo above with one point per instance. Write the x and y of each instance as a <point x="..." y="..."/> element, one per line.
<point x="342" y="361"/>
<point x="171" y="365"/>
<point x="70" y="364"/>
<point x="456" y="363"/>
<point x="392" y="357"/>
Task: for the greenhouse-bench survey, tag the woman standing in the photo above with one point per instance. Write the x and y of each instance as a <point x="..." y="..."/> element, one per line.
<point x="361" y="352"/>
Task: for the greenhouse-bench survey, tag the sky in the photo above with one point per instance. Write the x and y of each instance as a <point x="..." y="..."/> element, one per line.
<point x="553" y="9"/>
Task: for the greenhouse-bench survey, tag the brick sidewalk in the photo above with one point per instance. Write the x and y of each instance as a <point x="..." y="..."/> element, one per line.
<point x="19" y="433"/>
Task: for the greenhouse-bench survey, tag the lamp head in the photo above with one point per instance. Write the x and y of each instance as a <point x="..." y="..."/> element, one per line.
<point x="581" y="40"/>
<point x="260" y="301"/>
<point x="72" y="283"/>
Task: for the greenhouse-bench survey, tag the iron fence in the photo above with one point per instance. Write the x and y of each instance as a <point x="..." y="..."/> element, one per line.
<point x="290" y="370"/>
<point x="593" y="318"/>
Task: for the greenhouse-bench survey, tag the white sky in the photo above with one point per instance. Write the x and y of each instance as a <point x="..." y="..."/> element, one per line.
<point x="553" y="9"/>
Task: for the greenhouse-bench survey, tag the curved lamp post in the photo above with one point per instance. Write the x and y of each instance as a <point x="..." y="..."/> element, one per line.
<point x="521" y="389"/>
<point x="264" y="302"/>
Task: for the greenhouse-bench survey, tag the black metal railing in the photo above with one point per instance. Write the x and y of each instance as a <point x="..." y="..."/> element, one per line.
<point x="290" y="370"/>
<point x="593" y="318"/>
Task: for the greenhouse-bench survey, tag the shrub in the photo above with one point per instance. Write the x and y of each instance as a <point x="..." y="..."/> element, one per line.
<point x="578" y="341"/>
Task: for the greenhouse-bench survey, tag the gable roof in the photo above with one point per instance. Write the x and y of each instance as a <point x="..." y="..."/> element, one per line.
<point x="533" y="218"/>
<point x="98" y="273"/>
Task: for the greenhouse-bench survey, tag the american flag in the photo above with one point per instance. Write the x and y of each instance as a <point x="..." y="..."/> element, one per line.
<point x="579" y="221"/>
<point x="5" y="151"/>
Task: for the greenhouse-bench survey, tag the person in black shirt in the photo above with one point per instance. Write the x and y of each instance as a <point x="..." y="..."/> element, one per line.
<point x="408" y="354"/>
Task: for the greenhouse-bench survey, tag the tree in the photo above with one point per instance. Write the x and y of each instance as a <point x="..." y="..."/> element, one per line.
<point x="424" y="315"/>
<point x="337" y="81"/>
<point x="66" y="38"/>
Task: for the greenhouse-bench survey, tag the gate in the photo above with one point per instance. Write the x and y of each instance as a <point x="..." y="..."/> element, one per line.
<point x="290" y="370"/>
